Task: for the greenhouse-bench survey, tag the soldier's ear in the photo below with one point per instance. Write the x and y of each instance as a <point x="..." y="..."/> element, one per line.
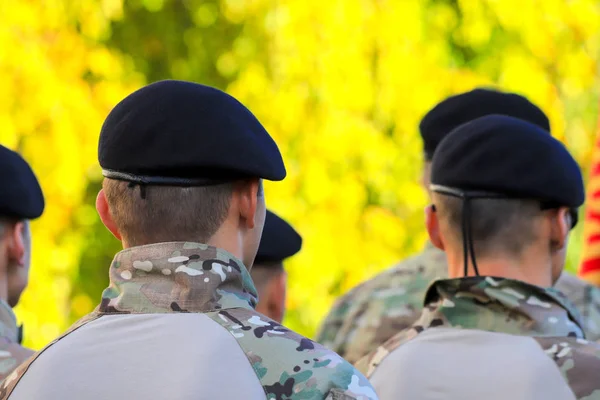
<point x="17" y="247"/>
<point x="105" y="215"/>
<point x="560" y="226"/>
<point x="247" y="195"/>
<point x="433" y="227"/>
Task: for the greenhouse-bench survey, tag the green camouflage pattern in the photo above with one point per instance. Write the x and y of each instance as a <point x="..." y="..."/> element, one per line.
<point x="511" y="307"/>
<point x="12" y="354"/>
<point x="197" y="278"/>
<point x="177" y="277"/>
<point x="586" y="297"/>
<point x="377" y="309"/>
<point x="392" y="301"/>
<point x="288" y="365"/>
<point x="579" y="363"/>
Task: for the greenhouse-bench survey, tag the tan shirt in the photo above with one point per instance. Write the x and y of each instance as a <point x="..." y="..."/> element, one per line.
<point x="448" y="363"/>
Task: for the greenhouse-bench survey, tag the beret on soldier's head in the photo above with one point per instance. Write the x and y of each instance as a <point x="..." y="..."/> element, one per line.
<point x="457" y="110"/>
<point x="278" y="242"/>
<point x="176" y="132"/>
<point x="510" y="157"/>
<point x="21" y="196"/>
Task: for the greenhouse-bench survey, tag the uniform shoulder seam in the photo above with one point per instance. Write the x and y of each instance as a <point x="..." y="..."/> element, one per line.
<point x="9" y="385"/>
<point x="256" y="372"/>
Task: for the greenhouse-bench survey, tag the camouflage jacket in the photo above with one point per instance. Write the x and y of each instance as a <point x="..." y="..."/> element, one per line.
<point x="512" y="307"/>
<point x="374" y="311"/>
<point x="186" y="277"/>
<point x="12" y="354"/>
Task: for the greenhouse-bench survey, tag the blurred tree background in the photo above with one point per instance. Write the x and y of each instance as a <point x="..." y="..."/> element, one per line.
<point x="341" y="86"/>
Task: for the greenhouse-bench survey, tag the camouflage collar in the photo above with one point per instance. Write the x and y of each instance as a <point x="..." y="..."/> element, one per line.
<point x="177" y="277"/>
<point x="499" y="305"/>
<point x="8" y="323"/>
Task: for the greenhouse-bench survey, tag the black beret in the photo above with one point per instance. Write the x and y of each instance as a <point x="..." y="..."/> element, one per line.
<point x="465" y="107"/>
<point x="279" y="240"/>
<point x="508" y="157"/>
<point x="21" y="196"/>
<point x="183" y="133"/>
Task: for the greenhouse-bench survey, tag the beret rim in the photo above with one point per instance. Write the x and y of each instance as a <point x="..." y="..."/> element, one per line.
<point x="156" y="180"/>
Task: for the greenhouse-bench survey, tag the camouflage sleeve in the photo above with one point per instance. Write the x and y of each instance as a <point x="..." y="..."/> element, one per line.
<point x="371" y="361"/>
<point x="329" y="332"/>
<point x="288" y="365"/>
<point x="586" y="299"/>
<point x="358" y="321"/>
<point x="374" y="311"/>
<point x="578" y="361"/>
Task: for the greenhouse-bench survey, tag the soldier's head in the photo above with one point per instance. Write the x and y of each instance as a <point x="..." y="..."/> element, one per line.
<point x="185" y="162"/>
<point x="505" y="195"/>
<point x="279" y="242"/>
<point x="462" y="108"/>
<point x="21" y="200"/>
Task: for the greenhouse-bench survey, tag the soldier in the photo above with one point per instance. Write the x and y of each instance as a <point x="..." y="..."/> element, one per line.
<point x="504" y="198"/>
<point x="372" y="312"/>
<point x="184" y="165"/>
<point x="21" y="200"/>
<point x="279" y="241"/>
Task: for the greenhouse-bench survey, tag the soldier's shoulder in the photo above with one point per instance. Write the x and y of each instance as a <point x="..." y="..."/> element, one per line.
<point x="586" y="299"/>
<point x="413" y="273"/>
<point x="371" y="361"/>
<point x="8" y="384"/>
<point x="575" y="289"/>
<point x="372" y="312"/>
<point x="11" y="356"/>
<point x="290" y="365"/>
<point x="417" y="270"/>
<point x="579" y="362"/>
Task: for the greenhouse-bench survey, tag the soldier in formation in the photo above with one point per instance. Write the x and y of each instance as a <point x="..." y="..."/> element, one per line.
<point x="21" y="200"/>
<point x="374" y="311"/>
<point x="183" y="166"/>
<point x="279" y="241"/>
<point x="504" y="198"/>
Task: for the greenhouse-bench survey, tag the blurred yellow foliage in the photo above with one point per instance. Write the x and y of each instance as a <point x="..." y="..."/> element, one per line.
<point x="341" y="85"/>
<point x="57" y="86"/>
<point x="349" y="83"/>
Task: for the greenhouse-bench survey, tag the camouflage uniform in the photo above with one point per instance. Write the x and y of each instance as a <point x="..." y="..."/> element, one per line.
<point x="508" y="307"/>
<point x="12" y="354"/>
<point x="179" y="277"/>
<point x="376" y="310"/>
